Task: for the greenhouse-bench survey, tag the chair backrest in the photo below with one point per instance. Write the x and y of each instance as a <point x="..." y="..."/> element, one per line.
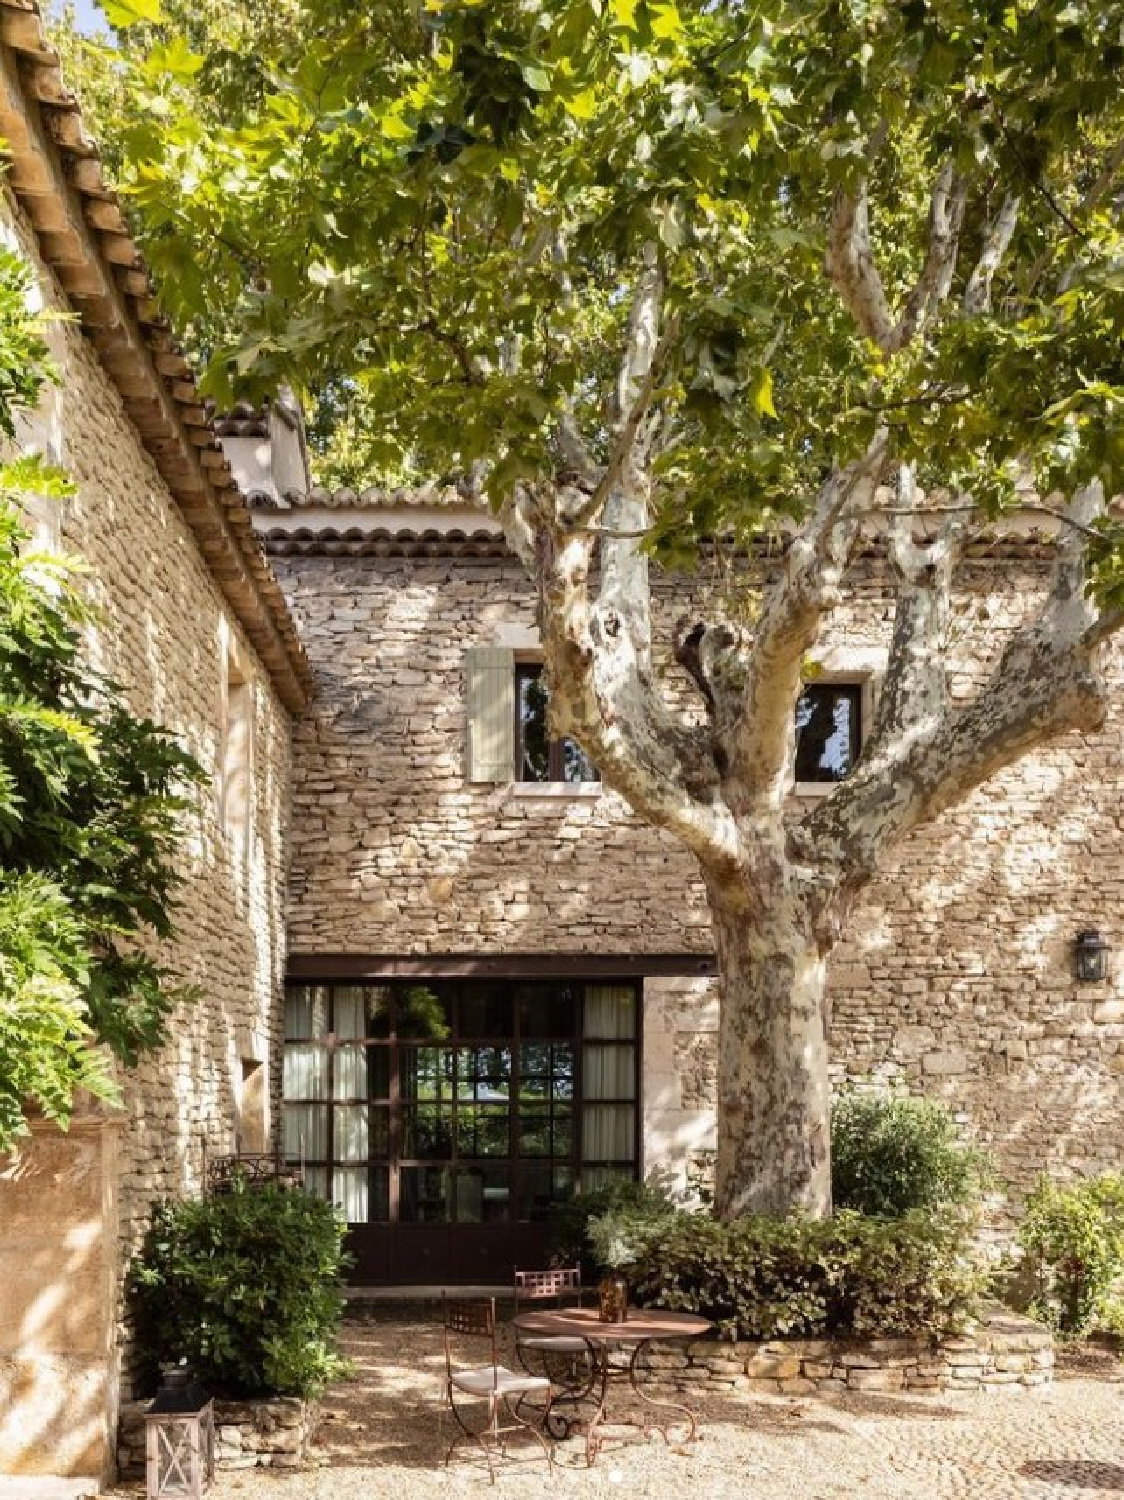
<point x="556" y="1285"/>
<point x="469" y="1318"/>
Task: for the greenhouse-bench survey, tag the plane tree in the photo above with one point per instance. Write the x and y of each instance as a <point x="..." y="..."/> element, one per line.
<point x="652" y="273"/>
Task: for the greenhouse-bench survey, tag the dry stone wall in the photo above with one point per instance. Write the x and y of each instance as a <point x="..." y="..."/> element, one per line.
<point x="163" y="631"/>
<point x="956" y="976"/>
<point x="1001" y="1349"/>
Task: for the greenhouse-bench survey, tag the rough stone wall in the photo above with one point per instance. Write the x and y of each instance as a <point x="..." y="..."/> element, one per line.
<point x="164" y="632"/>
<point x="1001" y="1349"/>
<point x="956" y="977"/>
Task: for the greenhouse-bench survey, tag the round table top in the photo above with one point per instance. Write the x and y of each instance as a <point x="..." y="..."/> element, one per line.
<point x="641" y="1323"/>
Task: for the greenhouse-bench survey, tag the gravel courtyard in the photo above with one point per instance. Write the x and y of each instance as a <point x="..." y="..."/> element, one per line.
<point x="384" y="1436"/>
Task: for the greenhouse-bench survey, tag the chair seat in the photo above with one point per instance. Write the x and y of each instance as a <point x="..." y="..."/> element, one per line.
<point x="506" y="1382"/>
<point x="555" y="1343"/>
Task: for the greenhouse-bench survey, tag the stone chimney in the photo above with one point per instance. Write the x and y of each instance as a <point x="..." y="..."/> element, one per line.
<point x="266" y="450"/>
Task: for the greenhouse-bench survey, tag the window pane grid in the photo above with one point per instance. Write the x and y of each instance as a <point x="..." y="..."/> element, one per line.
<point x="435" y="1121"/>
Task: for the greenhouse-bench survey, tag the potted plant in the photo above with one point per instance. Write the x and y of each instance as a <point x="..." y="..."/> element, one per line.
<point x="615" y="1240"/>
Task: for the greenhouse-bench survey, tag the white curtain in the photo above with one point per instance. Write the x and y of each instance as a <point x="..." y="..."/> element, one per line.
<point x="608" y="1132"/>
<point x="350" y="1192"/>
<point x="351" y="1132"/>
<point x="351" y="1011"/>
<point x="305" y="1071"/>
<point x="610" y="1012"/>
<point x="350" y="1076"/>
<point x="609" y="1072"/>
<point x="304" y="1132"/>
<point x="306" y="1012"/>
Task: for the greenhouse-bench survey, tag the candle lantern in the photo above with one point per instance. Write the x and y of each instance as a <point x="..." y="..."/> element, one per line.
<point x="179" y="1439"/>
<point x="1090" y="956"/>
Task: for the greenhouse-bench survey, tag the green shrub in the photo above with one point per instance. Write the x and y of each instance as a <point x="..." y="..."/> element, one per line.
<point x="245" y="1287"/>
<point x="634" y="1203"/>
<point x="1072" y="1239"/>
<point x="892" y="1153"/>
<point x="797" y="1278"/>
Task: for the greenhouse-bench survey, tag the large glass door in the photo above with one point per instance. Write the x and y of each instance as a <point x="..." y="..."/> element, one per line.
<point x="445" y="1118"/>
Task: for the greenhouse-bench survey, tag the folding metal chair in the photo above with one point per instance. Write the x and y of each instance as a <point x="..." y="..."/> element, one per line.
<point x="565" y="1359"/>
<point x="475" y="1319"/>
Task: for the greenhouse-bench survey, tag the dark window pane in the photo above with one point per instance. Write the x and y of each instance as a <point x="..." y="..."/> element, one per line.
<point x="380" y="1195"/>
<point x="546" y="1010"/>
<point x="426" y="1194"/>
<point x="424" y="1012"/>
<point x="486" y="1011"/>
<point x="380" y="1130"/>
<point x="378" y="1072"/>
<point x="534" y="1132"/>
<point x="427" y="1132"/>
<point x="483" y="1130"/>
<point x="828" y="730"/>
<point x="540" y="1186"/>
<point x="483" y="1194"/>
<point x="538" y="757"/>
<point x="576" y="764"/>
<point x="532" y="742"/>
<point x="426" y="1073"/>
<point x="484" y="1074"/>
<point x="378" y="1010"/>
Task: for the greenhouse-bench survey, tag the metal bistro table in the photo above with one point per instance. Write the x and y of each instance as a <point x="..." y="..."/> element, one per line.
<point x="629" y="1339"/>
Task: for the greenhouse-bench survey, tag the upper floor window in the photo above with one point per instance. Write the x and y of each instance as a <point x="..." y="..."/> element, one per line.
<point x="828" y="730"/>
<point x="537" y="756"/>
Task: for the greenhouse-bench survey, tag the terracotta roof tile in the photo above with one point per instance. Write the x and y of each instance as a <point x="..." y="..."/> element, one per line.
<point x="55" y="174"/>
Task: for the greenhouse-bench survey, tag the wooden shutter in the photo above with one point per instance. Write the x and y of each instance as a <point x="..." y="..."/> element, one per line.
<point x="490" y="672"/>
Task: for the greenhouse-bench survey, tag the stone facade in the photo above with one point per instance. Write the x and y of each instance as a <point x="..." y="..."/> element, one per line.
<point x="177" y="631"/>
<point x="956" y="978"/>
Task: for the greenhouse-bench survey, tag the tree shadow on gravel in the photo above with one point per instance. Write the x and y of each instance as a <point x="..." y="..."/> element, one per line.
<point x="1082" y="1473"/>
<point x="392" y="1412"/>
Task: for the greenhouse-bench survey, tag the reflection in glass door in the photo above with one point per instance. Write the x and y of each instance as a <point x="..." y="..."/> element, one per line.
<point x="466" y="1103"/>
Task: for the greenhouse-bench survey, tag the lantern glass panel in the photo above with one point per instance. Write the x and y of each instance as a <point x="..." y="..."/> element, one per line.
<point x="180" y="1454"/>
<point x="1091" y="954"/>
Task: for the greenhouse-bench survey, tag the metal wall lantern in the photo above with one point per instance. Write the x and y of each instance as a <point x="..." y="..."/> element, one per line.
<point x="179" y="1439"/>
<point x="1090" y="956"/>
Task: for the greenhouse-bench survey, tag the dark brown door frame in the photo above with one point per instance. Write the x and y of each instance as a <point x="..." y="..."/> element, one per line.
<point x="322" y="968"/>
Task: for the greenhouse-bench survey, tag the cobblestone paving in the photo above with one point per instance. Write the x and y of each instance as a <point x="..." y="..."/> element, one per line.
<point x="385" y="1436"/>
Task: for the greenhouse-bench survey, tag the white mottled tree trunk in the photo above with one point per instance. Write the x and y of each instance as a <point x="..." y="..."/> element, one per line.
<point x="782" y="887"/>
<point x="773" y="1097"/>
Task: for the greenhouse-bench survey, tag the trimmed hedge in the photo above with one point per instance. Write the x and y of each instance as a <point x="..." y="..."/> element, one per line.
<point x="796" y="1278"/>
<point x="245" y="1288"/>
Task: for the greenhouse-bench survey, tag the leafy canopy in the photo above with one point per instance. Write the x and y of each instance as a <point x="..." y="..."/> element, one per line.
<point x="91" y="805"/>
<point x="433" y="219"/>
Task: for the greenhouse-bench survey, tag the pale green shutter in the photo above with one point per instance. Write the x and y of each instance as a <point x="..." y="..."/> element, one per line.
<point x="490" y="672"/>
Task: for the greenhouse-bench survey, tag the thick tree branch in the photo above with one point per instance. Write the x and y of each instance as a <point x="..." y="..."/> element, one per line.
<point x="849" y="262"/>
<point x="1046" y="683"/>
<point x="914" y="695"/>
<point x="997" y="239"/>
<point x="852" y="269"/>
<point x="641" y="367"/>
<point x="602" y="693"/>
<point x="762" y="747"/>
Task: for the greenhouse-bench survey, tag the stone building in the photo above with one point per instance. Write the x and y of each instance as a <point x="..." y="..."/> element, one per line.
<point x="191" y="622"/>
<point x="444" y="855"/>
<point x="486" y="982"/>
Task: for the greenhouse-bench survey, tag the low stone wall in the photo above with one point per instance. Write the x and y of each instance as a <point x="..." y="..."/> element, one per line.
<point x="271" y="1433"/>
<point x="1002" y="1349"/>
